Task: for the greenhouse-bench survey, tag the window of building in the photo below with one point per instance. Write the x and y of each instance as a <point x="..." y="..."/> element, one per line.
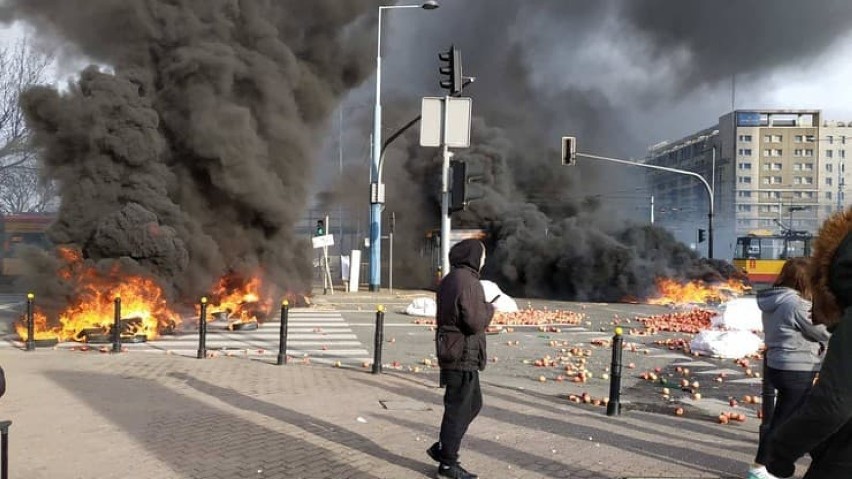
<point x="744" y="138"/>
<point x="809" y="194"/>
<point x="777" y="166"/>
<point x="777" y="152"/>
<point x="764" y="209"/>
<point x="798" y="194"/>
<point x="809" y="138"/>
<point x="766" y="222"/>
<point x="829" y="167"/>
<point x="767" y="138"/>
<point x="841" y="154"/>
<point x="776" y="180"/>
<point x="828" y="195"/>
<point x="843" y="140"/>
<point x="744" y="179"/>
<point x="828" y="180"/>
<point x="777" y="138"/>
<point x="809" y="152"/>
<point x="807" y="180"/>
<point x="767" y="152"/>
<point x="744" y="152"/>
<point x="798" y="152"/>
<point x="797" y="167"/>
<point x="829" y="153"/>
<point x="744" y="208"/>
<point x="830" y="139"/>
<point x="744" y="166"/>
<point x="798" y="138"/>
<point x="807" y="167"/>
<point x="744" y="194"/>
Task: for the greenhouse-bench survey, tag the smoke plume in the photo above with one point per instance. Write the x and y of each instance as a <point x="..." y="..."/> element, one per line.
<point x="188" y="153"/>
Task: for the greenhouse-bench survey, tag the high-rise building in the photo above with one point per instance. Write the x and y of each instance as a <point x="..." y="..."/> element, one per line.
<point x="771" y="170"/>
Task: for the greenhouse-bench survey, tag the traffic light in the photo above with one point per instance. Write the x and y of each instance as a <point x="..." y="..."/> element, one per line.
<point x="701" y="235"/>
<point x="453" y="71"/>
<point x="467" y="177"/>
<point x="569" y="150"/>
<point x="320" y="228"/>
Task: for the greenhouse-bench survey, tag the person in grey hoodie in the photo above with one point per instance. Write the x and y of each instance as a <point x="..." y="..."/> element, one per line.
<point x="822" y="426"/>
<point x="794" y="347"/>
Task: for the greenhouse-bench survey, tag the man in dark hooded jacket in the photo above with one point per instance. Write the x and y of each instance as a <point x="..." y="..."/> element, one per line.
<point x="462" y="316"/>
<point x="823" y="424"/>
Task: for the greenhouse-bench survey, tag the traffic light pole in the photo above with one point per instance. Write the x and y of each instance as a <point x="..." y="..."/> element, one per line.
<point x="445" y="197"/>
<point x="671" y="170"/>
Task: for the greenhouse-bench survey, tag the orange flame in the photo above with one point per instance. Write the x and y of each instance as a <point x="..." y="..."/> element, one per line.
<point x="241" y="300"/>
<point x="40" y="329"/>
<point x="92" y="306"/>
<point x="672" y="292"/>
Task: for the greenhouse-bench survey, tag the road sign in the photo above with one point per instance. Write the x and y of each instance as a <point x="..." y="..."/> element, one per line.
<point x="322" y="241"/>
<point x="458" y="122"/>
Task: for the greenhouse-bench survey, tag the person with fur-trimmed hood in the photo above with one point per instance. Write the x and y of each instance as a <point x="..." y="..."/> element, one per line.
<point x="823" y="424"/>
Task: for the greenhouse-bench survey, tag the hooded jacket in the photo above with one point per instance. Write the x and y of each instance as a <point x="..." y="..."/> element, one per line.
<point x="463" y="313"/>
<point x="823" y="425"/>
<point x="793" y="342"/>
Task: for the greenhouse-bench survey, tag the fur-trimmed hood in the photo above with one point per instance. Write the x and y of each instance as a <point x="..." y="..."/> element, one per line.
<point x="831" y="269"/>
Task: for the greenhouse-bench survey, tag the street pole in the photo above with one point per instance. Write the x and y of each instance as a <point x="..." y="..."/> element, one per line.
<point x="375" y="205"/>
<point x="712" y="207"/>
<point x="445" y="197"/>
<point x="670" y="170"/>
<point x="376" y="187"/>
<point x="652" y="209"/>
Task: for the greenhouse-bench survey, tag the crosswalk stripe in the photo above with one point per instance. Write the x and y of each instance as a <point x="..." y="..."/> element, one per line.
<point x="325" y="338"/>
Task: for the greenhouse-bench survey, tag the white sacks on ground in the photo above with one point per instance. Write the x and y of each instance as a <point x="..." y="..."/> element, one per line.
<point x="741" y="314"/>
<point x="505" y="303"/>
<point x="424" y="307"/>
<point x="726" y="344"/>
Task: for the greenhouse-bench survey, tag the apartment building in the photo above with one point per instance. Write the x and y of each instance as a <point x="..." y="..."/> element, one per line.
<point x="770" y="170"/>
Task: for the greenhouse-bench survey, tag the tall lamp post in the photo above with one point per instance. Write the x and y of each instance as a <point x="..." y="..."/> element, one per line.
<point x="377" y="193"/>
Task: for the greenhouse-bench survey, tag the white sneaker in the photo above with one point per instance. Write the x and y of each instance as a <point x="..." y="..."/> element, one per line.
<point x="759" y="473"/>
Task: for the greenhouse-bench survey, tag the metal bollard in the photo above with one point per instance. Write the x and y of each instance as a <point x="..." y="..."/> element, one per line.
<point x="202" y="330"/>
<point x="379" y="339"/>
<point x="4" y="449"/>
<point x="116" y="327"/>
<point x="282" y="335"/>
<point x="614" y="405"/>
<point x="31" y="345"/>
<point x="767" y="406"/>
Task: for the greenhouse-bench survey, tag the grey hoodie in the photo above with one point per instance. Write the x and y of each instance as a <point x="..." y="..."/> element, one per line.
<point x="792" y="340"/>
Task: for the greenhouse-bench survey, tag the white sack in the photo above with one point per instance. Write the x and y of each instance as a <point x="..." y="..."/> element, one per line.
<point x="505" y="303"/>
<point x="741" y="314"/>
<point x="726" y="344"/>
<point x="424" y="307"/>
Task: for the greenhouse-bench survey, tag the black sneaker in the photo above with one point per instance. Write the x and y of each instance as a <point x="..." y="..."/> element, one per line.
<point x="454" y="471"/>
<point x="435" y="452"/>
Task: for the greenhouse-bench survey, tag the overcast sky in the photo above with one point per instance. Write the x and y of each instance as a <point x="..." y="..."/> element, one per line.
<point x="824" y="82"/>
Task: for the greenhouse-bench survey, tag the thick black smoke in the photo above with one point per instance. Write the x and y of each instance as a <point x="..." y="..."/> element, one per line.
<point x="189" y="155"/>
<point x="603" y="71"/>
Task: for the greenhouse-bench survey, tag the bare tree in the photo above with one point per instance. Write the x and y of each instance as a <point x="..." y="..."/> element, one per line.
<point x="21" y="67"/>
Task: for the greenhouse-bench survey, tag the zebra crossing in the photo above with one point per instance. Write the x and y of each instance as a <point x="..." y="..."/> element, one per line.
<point x="312" y="337"/>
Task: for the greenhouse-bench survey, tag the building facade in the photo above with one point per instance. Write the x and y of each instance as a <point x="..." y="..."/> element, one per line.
<point x="770" y="170"/>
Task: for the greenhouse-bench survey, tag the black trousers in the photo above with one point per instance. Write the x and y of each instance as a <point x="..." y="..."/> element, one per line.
<point x="793" y="387"/>
<point x="462" y="403"/>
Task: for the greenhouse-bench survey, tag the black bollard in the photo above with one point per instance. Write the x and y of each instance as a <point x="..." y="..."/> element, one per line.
<point x="282" y="335"/>
<point x="202" y="330"/>
<point x="767" y="406"/>
<point x="116" y="327"/>
<point x="379" y="339"/>
<point x="31" y="345"/>
<point x="613" y="407"/>
<point x="4" y="449"/>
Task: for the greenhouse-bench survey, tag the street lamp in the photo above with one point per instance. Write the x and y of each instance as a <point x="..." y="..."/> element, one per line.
<point x="376" y="187"/>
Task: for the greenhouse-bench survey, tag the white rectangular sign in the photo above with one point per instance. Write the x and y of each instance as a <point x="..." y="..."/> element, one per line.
<point x="458" y="122"/>
<point x="322" y="241"/>
<point x="431" y="121"/>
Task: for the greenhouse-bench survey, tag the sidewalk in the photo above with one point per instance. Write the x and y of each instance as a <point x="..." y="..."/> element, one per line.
<point x="77" y="414"/>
